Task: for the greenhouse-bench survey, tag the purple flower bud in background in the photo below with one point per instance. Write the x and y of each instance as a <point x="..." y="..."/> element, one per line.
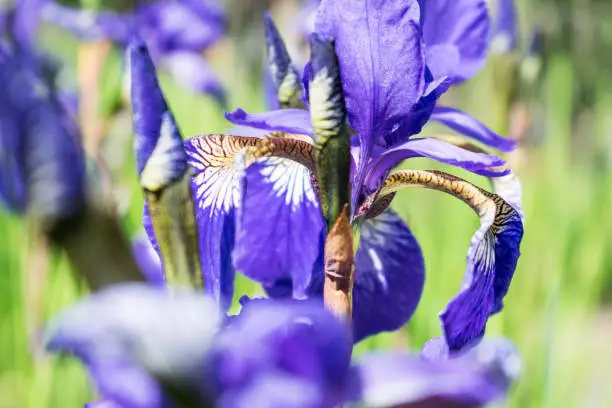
<point x="42" y="167"/>
<point x="176" y="32"/>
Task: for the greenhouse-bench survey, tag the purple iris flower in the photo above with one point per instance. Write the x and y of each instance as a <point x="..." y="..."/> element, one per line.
<point x="455" y="41"/>
<point x="144" y="346"/>
<point x="176" y="32"/>
<point x="42" y="168"/>
<point x="390" y="94"/>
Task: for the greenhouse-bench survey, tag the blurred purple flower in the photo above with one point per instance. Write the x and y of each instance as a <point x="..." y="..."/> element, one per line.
<point x="389" y="96"/>
<point x="456" y="34"/>
<point x="176" y="32"/>
<point x="504" y="32"/>
<point x="42" y="167"/>
<point x="139" y="342"/>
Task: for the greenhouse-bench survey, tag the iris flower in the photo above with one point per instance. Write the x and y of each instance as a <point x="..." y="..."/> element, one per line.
<point x="42" y="169"/>
<point x="177" y="32"/>
<point x="148" y="348"/>
<point x="456" y="39"/>
<point x="265" y="216"/>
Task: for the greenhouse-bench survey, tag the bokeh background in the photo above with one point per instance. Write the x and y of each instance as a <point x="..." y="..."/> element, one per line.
<point x="553" y="93"/>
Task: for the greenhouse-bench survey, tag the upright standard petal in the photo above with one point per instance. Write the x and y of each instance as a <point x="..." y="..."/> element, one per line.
<point x="274" y="344"/>
<point x="381" y="58"/>
<point x="280" y="228"/>
<point x="469" y="126"/>
<point x="462" y="27"/>
<point x="491" y="259"/>
<point x="389" y="276"/>
<point x="478" y="378"/>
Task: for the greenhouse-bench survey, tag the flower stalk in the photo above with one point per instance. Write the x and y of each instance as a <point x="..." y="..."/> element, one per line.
<point x="332" y="165"/>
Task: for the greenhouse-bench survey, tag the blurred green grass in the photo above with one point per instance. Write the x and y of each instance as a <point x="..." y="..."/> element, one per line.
<point x="550" y="309"/>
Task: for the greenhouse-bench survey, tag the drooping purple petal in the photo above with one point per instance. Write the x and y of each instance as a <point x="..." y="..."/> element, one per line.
<point x="290" y="343"/>
<point x="284" y="120"/>
<point x="160" y="156"/>
<point x="463" y="26"/>
<point x="504" y="30"/>
<point x="389" y="276"/>
<point x="479" y="163"/>
<point x="129" y="334"/>
<point x="193" y="72"/>
<point x="469" y="126"/>
<point x="148" y="259"/>
<point x="396" y="379"/>
<point x="215" y="189"/>
<point x="90" y="25"/>
<point x="491" y="262"/>
<point x="381" y="58"/>
<point x="280" y="230"/>
<point x="171" y="26"/>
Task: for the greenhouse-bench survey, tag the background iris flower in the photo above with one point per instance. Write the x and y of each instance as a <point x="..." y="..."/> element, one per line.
<point x="390" y="94"/>
<point x="149" y="348"/>
<point x="177" y="32"/>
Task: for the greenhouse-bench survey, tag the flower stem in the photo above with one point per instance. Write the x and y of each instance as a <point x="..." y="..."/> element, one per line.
<point x="96" y="247"/>
<point x="340" y="268"/>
